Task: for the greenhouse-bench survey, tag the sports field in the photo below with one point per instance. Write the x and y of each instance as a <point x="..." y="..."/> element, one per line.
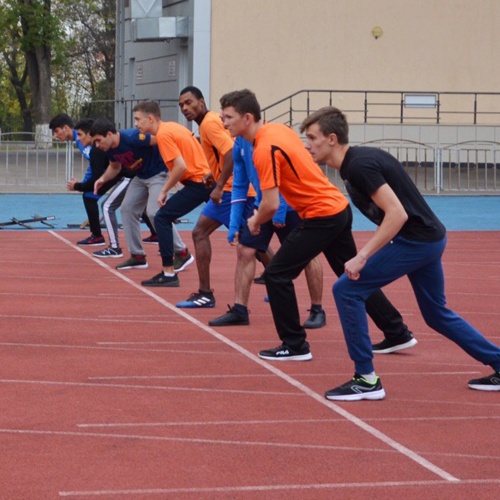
<point x="108" y="390"/>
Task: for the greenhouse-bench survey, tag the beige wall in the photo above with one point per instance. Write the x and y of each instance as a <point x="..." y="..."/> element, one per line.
<point x="277" y="47"/>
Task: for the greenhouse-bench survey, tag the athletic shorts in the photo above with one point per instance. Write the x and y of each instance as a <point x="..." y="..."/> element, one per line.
<point x="261" y="241"/>
<point x="221" y="212"/>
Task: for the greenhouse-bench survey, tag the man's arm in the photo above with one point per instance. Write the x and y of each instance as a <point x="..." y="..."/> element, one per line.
<point x="394" y="219"/>
<point x="226" y="172"/>
<point x="268" y="206"/>
<point x="176" y="173"/>
<point x="111" y="172"/>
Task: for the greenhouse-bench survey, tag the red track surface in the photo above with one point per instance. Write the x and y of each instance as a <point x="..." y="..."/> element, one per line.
<point x="108" y="390"/>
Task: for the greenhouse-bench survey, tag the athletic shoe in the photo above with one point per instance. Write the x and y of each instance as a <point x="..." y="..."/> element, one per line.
<point x="490" y="383"/>
<point x="317" y="319"/>
<point x="232" y="317"/>
<point x="162" y="280"/>
<point x="114" y="253"/>
<point x="285" y="353"/>
<point x="181" y="262"/>
<point x="393" y="345"/>
<point x="92" y="241"/>
<point x="259" y="280"/>
<point x="153" y="238"/>
<point x="133" y="263"/>
<point x="198" y="299"/>
<point x="356" y="389"/>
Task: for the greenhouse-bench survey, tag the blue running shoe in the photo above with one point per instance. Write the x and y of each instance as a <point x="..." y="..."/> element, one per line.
<point x="198" y="299"/>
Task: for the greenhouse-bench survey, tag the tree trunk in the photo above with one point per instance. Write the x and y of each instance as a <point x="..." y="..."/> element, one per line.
<point x="38" y="64"/>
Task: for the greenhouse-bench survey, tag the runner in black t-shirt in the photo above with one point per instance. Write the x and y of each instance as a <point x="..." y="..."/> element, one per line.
<point x="409" y="240"/>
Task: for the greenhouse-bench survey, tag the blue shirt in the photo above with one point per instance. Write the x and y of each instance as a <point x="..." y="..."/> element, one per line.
<point x="244" y="174"/>
<point x="137" y="155"/>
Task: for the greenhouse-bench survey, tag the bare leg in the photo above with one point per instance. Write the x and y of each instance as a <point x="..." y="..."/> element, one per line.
<point x="245" y="271"/>
<point x="314" y="277"/>
<point x="203" y="249"/>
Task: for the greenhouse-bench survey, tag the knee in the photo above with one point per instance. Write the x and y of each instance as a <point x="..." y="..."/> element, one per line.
<point x="245" y="254"/>
<point x="200" y="232"/>
<point x="340" y="287"/>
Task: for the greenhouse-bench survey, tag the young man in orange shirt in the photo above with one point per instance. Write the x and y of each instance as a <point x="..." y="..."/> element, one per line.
<point x="284" y="165"/>
<point x="187" y="164"/>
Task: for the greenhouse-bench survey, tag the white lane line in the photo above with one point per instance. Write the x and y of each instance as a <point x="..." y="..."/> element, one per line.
<point x="279" y="487"/>
<point x="403" y="450"/>
<point x="226" y="423"/>
<point x="219" y="442"/>
<point x="150" y="387"/>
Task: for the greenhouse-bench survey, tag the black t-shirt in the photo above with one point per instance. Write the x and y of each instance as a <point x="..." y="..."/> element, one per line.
<point x="366" y="169"/>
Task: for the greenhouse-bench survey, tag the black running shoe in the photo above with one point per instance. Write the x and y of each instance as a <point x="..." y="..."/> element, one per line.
<point x="285" y="353"/>
<point x="161" y="280"/>
<point x="232" y="317"/>
<point x="356" y="389"/>
<point x="316" y="319"/>
<point x="393" y="345"/>
<point x="491" y="383"/>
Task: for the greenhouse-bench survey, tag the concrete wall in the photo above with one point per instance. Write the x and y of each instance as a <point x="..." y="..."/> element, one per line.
<point x="277" y="47"/>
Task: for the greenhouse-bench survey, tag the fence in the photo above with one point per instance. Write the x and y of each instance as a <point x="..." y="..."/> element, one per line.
<point x="448" y="142"/>
<point x="465" y="168"/>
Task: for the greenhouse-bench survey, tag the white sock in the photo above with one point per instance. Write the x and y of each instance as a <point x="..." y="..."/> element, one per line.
<point x="370" y="377"/>
<point x="171" y="275"/>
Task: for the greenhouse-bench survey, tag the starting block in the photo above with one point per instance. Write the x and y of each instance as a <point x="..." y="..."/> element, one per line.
<point x="26" y="222"/>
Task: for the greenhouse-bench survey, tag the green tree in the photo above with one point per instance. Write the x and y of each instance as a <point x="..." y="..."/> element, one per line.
<point x="59" y="55"/>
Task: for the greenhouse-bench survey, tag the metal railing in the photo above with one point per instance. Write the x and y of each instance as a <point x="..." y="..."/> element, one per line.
<point x="469" y="167"/>
<point x="403" y="107"/>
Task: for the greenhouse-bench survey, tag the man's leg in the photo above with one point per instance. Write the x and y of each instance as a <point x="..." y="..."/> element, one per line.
<point x="212" y="217"/>
<point x="132" y="207"/>
<point x="314" y="275"/>
<point x="109" y="208"/>
<point x="314" y="278"/>
<point x="203" y="249"/>
<point x="245" y="271"/>
<point x="182" y="202"/>
<point x="92" y="209"/>
<point x="387" y="318"/>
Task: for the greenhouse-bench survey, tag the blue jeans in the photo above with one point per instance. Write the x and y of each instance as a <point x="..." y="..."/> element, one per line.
<point x="422" y="263"/>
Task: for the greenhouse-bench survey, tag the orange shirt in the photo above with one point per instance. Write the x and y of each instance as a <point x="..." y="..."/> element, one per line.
<point x="175" y="140"/>
<point x="282" y="161"/>
<point x="216" y="141"/>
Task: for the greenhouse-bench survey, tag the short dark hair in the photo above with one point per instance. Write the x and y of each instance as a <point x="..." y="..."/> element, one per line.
<point x="84" y="124"/>
<point x="243" y="101"/>
<point x="331" y="121"/>
<point x="102" y="126"/>
<point x="60" y="120"/>
<point x="194" y="90"/>
<point x="148" y="107"/>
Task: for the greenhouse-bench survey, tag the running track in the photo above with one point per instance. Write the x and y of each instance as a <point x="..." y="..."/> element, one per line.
<point x="107" y="390"/>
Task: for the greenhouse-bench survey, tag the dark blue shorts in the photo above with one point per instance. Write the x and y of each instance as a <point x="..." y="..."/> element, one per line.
<point x="267" y="231"/>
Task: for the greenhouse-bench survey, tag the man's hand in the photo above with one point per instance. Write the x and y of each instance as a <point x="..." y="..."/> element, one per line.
<point x="208" y="180"/>
<point x="353" y="267"/>
<point x="252" y="224"/>
<point x="98" y="185"/>
<point x="71" y="184"/>
<point x="216" y="194"/>
<point x="162" y="198"/>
